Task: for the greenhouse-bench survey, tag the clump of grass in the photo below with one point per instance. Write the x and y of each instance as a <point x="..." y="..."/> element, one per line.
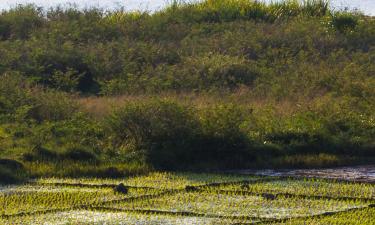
<point x="70" y="168"/>
<point x="161" y="129"/>
<point x="230" y="10"/>
<point x="344" y="21"/>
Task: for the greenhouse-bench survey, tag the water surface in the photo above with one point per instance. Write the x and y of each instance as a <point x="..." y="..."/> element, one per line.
<point x="360" y="173"/>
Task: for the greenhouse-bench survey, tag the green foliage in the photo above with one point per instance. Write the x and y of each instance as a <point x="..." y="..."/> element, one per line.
<point x="171" y="135"/>
<point x="80" y="154"/>
<point x="230" y="10"/>
<point x="89" y="51"/>
<point x="20" y="22"/>
<point x="344" y="21"/>
<point x="12" y="171"/>
<point x="14" y="92"/>
<point x="67" y="81"/>
<point x="24" y="101"/>
<point x="223" y="137"/>
<point x="217" y="71"/>
<point x="226" y="66"/>
<point x="163" y="130"/>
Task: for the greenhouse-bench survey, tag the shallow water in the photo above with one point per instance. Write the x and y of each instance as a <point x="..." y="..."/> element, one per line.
<point x="360" y="173"/>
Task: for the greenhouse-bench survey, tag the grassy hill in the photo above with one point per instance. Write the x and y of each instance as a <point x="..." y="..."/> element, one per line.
<point x="213" y="85"/>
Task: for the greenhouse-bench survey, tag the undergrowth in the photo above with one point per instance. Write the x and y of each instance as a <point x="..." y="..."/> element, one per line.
<point x="209" y="85"/>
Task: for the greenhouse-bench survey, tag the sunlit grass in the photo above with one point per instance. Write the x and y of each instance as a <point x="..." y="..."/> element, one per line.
<point x="157" y="180"/>
<point x="184" y="198"/>
<point x="97" y="217"/>
<point x="239" y="205"/>
<point x="360" y="217"/>
<point x="229" y="10"/>
<point x="29" y="199"/>
<point x="308" y="187"/>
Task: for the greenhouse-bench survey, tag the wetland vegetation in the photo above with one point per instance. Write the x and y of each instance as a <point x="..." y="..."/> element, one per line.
<point x="186" y="198"/>
<point x="108" y="97"/>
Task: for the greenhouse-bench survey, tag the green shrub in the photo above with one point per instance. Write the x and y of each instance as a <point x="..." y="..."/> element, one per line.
<point x="11" y="171"/>
<point x="42" y="153"/>
<point x="14" y="92"/>
<point x="223" y="139"/>
<point x="302" y="143"/>
<point x="171" y="136"/>
<point x="25" y="101"/>
<point x="161" y="129"/>
<point x="214" y="72"/>
<point x="20" y="22"/>
<point x="312" y="92"/>
<point x="114" y="87"/>
<point x="182" y="47"/>
<point x="7" y="176"/>
<point x="51" y="106"/>
<point x="66" y="81"/>
<point x="231" y="10"/>
<point x="79" y="154"/>
<point x="80" y="130"/>
<point x="343" y="21"/>
<point x="11" y="164"/>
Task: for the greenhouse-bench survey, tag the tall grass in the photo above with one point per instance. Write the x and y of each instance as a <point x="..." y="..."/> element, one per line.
<point x="230" y="10"/>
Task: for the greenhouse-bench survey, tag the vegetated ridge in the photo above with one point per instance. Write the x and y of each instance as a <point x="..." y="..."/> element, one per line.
<point x="219" y="84"/>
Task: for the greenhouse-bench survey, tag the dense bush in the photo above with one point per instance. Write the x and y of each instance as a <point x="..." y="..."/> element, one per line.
<point x="12" y="171"/>
<point x="223" y="138"/>
<point x="211" y="45"/>
<point x="344" y="21"/>
<point x="240" y="83"/>
<point x="20" y="22"/>
<point x="171" y="135"/>
<point x="79" y="154"/>
<point x="22" y="100"/>
<point x="161" y="130"/>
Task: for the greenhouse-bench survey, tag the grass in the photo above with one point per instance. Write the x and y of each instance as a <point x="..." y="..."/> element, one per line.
<point x="100" y="217"/>
<point x="238" y="206"/>
<point x="132" y="135"/>
<point x="364" y="216"/>
<point x="93" y="99"/>
<point x="157" y="180"/>
<point x="210" y="85"/>
<point x="307" y="187"/>
<point x="229" y="10"/>
<point x="185" y="198"/>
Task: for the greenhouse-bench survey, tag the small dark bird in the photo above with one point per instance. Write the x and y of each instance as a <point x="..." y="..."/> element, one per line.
<point x="121" y="188"/>
<point x="269" y="196"/>
<point x="191" y="188"/>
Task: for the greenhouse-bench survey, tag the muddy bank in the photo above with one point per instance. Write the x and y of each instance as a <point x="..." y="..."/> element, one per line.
<point x="360" y="173"/>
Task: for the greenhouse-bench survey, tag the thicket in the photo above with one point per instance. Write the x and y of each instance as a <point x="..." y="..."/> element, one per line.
<point x="243" y="58"/>
<point x="208" y="46"/>
<point x="166" y="133"/>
